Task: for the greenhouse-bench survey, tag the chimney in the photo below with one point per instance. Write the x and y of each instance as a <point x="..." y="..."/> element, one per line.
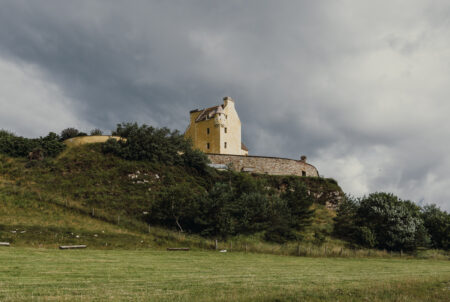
<point x="303" y="158"/>
<point x="227" y="100"/>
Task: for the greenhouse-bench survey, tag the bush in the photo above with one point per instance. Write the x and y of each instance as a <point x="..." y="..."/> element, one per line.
<point x="96" y="132"/>
<point x="17" y="146"/>
<point x="381" y="220"/>
<point x="155" y="145"/>
<point x="437" y="223"/>
<point x="69" y="133"/>
<point x="241" y="206"/>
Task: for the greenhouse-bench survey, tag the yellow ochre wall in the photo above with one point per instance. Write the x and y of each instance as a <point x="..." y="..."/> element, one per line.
<point x="217" y="137"/>
<point x="81" y="140"/>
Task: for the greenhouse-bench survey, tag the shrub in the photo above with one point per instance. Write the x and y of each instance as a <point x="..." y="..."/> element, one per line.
<point x="69" y="133"/>
<point x="381" y="220"/>
<point x="241" y="206"/>
<point x="437" y="223"/>
<point x="17" y="146"/>
<point x="155" y="145"/>
<point x="96" y="131"/>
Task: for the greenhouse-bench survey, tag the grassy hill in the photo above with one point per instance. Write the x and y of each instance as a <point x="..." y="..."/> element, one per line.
<point x="85" y="196"/>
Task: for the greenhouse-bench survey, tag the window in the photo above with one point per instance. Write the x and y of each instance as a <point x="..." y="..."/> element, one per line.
<point x="225" y="145"/>
<point x="207" y="130"/>
<point x="225" y="130"/>
<point x="207" y="145"/>
<point x="303" y="173"/>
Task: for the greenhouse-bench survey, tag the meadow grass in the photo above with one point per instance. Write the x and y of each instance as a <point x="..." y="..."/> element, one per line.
<point x="149" y="275"/>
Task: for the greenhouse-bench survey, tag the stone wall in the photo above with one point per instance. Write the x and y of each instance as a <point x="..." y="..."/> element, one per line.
<point x="265" y="165"/>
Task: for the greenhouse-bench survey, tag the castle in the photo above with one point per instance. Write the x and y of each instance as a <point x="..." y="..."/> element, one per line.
<point x="217" y="132"/>
<point x="217" y="129"/>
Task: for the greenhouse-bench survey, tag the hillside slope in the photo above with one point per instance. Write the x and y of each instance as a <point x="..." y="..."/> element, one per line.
<point x="85" y="196"/>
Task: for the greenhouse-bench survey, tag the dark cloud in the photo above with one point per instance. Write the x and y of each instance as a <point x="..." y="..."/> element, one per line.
<point x="361" y="88"/>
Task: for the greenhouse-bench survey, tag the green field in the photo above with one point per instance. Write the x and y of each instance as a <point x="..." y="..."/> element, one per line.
<point x="146" y="275"/>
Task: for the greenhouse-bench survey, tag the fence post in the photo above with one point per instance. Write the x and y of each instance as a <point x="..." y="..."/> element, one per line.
<point x="217" y="246"/>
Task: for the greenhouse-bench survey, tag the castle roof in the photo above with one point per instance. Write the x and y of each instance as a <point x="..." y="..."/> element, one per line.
<point x="209" y="113"/>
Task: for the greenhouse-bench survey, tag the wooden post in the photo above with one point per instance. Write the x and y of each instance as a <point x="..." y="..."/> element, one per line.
<point x="184" y="249"/>
<point x="118" y="219"/>
<point x="246" y="247"/>
<point x="217" y="246"/>
<point x="231" y="246"/>
<point x="93" y="212"/>
<point x="70" y="247"/>
<point x="149" y="227"/>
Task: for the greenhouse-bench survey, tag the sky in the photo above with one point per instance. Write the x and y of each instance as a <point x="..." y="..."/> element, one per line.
<point x="360" y="87"/>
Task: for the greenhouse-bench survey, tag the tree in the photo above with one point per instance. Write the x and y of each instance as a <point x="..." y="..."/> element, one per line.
<point x="155" y="145"/>
<point x="17" y="146"/>
<point x="345" y="221"/>
<point x="437" y="222"/>
<point x="381" y="220"/>
<point x="69" y="133"/>
<point x="299" y="204"/>
<point x="96" y="131"/>
<point x="177" y="205"/>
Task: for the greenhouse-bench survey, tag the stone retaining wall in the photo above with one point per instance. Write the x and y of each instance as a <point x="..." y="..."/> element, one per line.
<point x="265" y="165"/>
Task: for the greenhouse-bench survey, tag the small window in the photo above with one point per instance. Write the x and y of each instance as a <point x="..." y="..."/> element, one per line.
<point x="225" y="130"/>
<point x="303" y="173"/>
<point x="207" y="130"/>
<point x="225" y="145"/>
<point x="207" y="145"/>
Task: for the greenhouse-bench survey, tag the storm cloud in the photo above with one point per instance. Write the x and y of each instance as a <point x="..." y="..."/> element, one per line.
<point x="360" y="87"/>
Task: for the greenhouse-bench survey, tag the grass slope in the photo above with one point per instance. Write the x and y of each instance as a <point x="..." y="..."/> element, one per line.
<point x="93" y="275"/>
<point x="84" y="196"/>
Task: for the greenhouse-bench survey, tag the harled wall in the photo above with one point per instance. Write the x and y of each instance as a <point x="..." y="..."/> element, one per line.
<point x="265" y="165"/>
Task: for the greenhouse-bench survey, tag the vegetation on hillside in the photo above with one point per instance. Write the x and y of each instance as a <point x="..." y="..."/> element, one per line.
<point x="18" y="146"/>
<point x="384" y="221"/>
<point x="153" y="177"/>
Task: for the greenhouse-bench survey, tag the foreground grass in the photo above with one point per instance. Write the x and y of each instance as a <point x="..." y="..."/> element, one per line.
<point x="143" y="275"/>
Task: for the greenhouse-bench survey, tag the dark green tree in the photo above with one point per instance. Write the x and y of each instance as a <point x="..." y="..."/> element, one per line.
<point x="155" y="145"/>
<point x="69" y="133"/>
<point x="381" y="220"/>
<point x="95" y="132"/>
<point x="437" y="222"/>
